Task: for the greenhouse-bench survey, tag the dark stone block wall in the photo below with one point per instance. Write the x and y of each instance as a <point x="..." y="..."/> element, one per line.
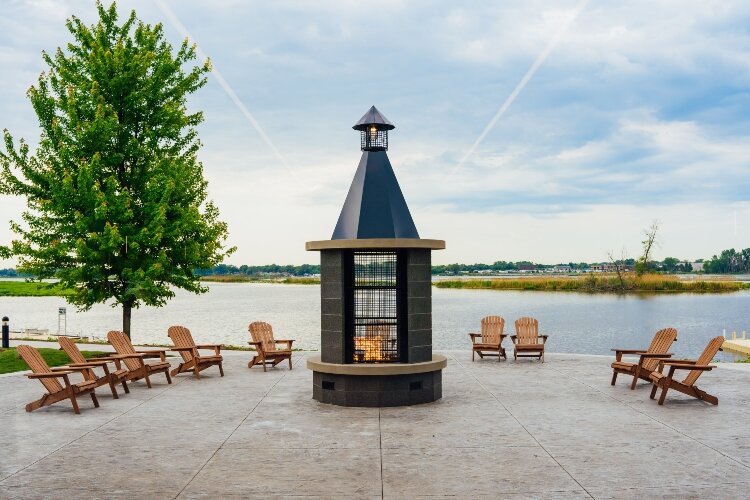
<point x="419" y="297"/>
<point x="332" y="347"/>
<point x="377" y="390"/>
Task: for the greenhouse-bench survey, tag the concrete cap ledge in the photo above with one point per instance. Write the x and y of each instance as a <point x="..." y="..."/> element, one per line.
<point x="373" y="243"/>
<point x="438" y="362"/>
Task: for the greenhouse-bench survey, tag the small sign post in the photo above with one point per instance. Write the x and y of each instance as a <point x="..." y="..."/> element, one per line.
<point x="62" y="321"/>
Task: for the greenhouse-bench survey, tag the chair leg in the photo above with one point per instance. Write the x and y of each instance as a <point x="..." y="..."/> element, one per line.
<point x="148" y="380"/>
<point x="112" y="387"/>
<point x="74" y="402"/>
<point x="290" y="362"/>
<point x="125" y="386"/>
<point x="472" y="355"/>
<point x="196" y="372"/>
<point x="614" y="377"/>
<point x="663" y="394"/>
<point x="93" y="398"/>
<point x="169" y="379"/>
<point x="35" y="405"/>
<point x="221" y="370"/>
<point x="636" y="376"/>
<point x="653" y="390"/>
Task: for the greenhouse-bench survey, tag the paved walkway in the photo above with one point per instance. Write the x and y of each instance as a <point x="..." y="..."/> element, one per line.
<point x="516" y="430"/>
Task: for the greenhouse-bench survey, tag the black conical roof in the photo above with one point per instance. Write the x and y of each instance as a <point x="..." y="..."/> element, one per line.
<point x="375" y="206"/>
<point x="373" y="116"/>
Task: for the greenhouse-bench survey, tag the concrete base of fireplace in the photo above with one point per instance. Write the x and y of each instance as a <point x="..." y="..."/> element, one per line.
<point x="378" y="385"/>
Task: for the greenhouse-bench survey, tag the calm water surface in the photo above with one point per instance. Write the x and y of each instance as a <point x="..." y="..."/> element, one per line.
<point x="577" y="323"/>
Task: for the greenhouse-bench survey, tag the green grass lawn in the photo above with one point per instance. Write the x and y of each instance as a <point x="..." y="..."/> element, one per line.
<point x="31" y="289"/>
<point x="10" y="361"/>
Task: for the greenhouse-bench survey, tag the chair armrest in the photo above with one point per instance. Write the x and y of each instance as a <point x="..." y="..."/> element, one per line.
<point x="283" y="341"/>
<point x="178" y="349"/>
<point x="255" y="343"/>
<point x="60" y="373"/>
<point x="75" y="367"/>
<point x="210" y="346"/>
<point x="474" y="336"/>
<point x="651" y="355"/>
<point x="90" y="363"/>
<point x="127" y="356"/>
<point x="154" y="353"/>
<point x="679" y="361"/>
<point x="680" y="366"/>
<point x="630" y="351"/>
<point x="544" y="338"/>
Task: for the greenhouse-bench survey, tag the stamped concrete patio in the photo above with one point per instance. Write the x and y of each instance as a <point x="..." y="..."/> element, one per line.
<point x="517" y="430"/>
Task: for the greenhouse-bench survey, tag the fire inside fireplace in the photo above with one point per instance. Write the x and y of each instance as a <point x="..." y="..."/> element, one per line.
<point x="376" y="298"/>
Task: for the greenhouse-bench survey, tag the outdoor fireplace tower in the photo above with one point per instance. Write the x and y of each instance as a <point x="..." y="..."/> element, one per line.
<point x="376" y="291"/>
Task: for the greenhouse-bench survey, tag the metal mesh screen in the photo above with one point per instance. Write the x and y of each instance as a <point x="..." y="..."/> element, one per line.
<point x="375" y="307"/>
<point x="373" y="140"/>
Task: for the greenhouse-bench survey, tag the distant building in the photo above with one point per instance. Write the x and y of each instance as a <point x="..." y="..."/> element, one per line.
<point x="608" y="268"/>
<point x="697" y="267"/>
<point x="561" y="269"/>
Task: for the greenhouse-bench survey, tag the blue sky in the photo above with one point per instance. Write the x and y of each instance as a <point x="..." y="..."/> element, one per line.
<point x="641" y="111"/>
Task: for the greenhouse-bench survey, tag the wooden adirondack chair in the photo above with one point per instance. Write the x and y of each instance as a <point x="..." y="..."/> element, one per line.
<point x="527" y="341"/>
<point x="264" y="343"/>
<point x="695" y="367"/>
<point x="648" y="359"/>
<point x="490" y="339"/>
<point x="192" y="360"/>
<point x="48" y="377"/>
<point x="119" y="376"/>
<point x="133" y="360"/>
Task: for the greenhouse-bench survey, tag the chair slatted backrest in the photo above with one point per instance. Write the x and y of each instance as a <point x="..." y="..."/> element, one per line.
<point x="660" y="344"/>
<point x="181" y="337"/>
<point x="71" y="349"/>
<point x="527" y="330"/>
<point x="37" y="364"/>
<point x="260" y="331"/>
<point x="492" y="328"/>
<point x="122" y="345"/>
<point x="705" y="358"/>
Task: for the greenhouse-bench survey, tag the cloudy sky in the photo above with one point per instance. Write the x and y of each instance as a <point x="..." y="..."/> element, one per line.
<point x="639" y="111"/>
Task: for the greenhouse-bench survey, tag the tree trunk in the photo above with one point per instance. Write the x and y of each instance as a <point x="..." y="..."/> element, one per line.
<point x="126" y="310"/>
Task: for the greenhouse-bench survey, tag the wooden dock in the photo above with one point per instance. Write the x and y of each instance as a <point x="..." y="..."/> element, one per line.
<point x="741" y="346"/>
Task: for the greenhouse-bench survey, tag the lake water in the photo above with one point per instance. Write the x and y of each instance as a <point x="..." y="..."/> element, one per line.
<point x="576" y="323"/>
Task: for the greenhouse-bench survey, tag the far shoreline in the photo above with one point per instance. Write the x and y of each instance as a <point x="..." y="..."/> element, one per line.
<point x="590" y="283"/>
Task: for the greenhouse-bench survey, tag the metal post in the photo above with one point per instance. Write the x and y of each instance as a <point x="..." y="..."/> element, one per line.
<point x="6" y="333"/>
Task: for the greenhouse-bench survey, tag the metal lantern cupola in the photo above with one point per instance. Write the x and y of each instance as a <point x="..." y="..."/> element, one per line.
<point x="373" y="127"/>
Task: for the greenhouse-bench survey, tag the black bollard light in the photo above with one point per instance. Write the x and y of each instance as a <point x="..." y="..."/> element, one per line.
<point x="6" y="333"/>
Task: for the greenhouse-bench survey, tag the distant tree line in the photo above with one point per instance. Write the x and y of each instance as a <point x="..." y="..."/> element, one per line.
<point x="729" y="261"/>
<point x="12" y="273"/>
<point x="273" y="269"/>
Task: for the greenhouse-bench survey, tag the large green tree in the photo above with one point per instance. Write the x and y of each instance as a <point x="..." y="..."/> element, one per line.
<point x="117" y="202"/>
